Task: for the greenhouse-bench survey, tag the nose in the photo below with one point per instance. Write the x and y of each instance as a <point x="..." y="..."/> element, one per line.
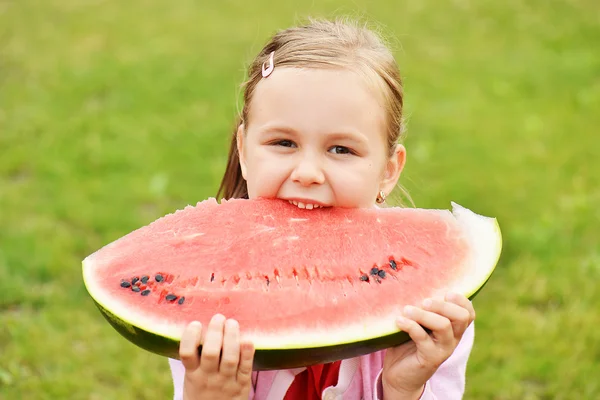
<point x="308" y="171"/>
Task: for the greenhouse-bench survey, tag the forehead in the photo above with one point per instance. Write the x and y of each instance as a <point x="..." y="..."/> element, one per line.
<point x="317" y="100"/>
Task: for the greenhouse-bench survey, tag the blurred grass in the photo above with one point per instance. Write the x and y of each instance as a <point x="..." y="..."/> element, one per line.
<point x="115" y="113"/>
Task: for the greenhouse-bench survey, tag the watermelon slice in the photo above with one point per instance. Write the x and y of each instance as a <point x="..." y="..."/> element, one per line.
<point x="307" y="286"/>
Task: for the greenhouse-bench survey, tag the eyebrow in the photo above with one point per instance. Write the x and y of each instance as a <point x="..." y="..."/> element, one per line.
<point x="355" y="136"/>
<point x="278" y="129"/>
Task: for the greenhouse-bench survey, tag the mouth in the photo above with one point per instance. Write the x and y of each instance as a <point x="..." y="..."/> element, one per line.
<point x="306" y="204"/>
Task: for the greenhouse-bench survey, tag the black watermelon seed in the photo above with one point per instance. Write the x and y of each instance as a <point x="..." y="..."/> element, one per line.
<point x="145" y="279"/>
<point x="393" y="264"/>
<point x="158" y="278"/>
<point x="170" y="297"/>
<point x="135" y="288"/>
<point x="181" y="300"/>
<point x="364" y="278"/>
<point x="145" y="292"/>
<point x="125" y="284"/>
<point x="374" y="271"/>
<point x="134" y="280"/>
<point x="381" y="273"/>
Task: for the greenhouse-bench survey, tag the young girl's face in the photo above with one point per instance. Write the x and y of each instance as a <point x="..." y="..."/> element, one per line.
<point x="317" y="137"/>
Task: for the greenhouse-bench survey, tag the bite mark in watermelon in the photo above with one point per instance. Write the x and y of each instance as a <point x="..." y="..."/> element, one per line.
<point x="307" y="286"/>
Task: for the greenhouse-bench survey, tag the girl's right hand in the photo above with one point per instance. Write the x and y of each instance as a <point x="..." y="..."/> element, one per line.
<point x="224" y="368"/>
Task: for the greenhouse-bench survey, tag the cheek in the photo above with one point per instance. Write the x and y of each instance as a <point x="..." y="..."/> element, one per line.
<point x="356" y="185"/>
<point x="266" y="173"/>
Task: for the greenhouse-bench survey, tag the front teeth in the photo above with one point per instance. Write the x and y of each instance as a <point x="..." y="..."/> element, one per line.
<point x="299" y="204"/>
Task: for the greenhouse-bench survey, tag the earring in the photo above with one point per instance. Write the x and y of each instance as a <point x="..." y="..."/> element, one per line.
<point x="380" y="197"/>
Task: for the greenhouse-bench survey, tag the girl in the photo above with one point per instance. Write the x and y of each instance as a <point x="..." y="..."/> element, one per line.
<point x="320" y="126"/>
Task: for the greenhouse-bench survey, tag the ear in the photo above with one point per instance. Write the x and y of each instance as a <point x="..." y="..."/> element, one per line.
<point x="240" y="149"/>
<point x="393" y="169"/>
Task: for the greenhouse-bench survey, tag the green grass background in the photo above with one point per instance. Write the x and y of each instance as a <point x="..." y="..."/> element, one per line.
<point x="113" y="113"/>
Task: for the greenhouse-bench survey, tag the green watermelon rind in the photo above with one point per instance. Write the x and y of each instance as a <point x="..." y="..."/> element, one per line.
<point x="264" y="359"/>
<point x="303" y="354"/>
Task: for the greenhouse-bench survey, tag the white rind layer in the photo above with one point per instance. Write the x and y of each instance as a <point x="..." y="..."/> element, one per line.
<point x="483" y="234"/>
<point x="485" y="238"/>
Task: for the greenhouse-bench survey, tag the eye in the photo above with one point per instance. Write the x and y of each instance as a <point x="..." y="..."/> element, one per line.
<point x="284" y="143"/>
<point x="341" y="150"/>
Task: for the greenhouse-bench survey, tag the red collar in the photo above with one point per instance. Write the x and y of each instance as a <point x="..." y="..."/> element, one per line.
<point x="310" y="383"/>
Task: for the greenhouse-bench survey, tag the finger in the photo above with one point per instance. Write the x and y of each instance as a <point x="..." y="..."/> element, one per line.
<point x="462" y="301"/>
<point x="230" y="357"/>
<point x="416" y="332"/>
<point x="440" y="327"/>
<point x="458" y="315"/>
<point x="246" y="359"/>
<point x="213" y="341"/>
<point x="188" y="347"/>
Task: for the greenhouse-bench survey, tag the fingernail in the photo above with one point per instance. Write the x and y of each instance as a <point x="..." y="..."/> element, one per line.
<point x="232" y="323"/>
<point x="427" y="303"/>
<point x="402" y="320"/>
<point x="452" y="295"/>
<point x="410" y="311"/>
<point x="195" y="324"/>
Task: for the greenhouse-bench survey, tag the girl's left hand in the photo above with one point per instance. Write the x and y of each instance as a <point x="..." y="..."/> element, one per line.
<point x="408" y="367"/>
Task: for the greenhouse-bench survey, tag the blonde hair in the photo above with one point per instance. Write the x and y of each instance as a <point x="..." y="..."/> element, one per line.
<point x="323" y="44"/>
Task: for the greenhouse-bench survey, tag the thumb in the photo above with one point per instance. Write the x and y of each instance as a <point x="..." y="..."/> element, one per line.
<point x="188" y="347"/>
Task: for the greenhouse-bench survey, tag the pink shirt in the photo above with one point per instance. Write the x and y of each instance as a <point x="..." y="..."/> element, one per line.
<point x="359" y="378"/>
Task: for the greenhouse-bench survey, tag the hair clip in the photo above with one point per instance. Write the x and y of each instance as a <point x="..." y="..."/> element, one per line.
<point x="267" y="71"/>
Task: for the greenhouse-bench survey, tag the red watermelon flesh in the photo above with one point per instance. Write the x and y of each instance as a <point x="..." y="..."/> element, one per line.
<point x="293" y="278"/>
